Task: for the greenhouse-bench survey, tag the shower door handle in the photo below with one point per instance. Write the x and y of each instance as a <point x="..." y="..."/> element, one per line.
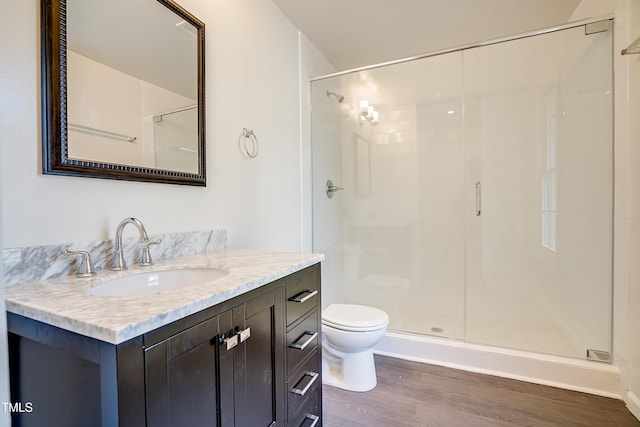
<point x="478" y="198"/>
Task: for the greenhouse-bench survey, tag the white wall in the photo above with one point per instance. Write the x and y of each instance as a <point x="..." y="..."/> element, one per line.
<point x="91" y="90"/>
<point x="252" y="81"/>
<point x="591" y="8"/>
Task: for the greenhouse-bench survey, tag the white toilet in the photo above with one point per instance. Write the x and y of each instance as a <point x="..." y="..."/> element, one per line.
<point x="349" y="333"/>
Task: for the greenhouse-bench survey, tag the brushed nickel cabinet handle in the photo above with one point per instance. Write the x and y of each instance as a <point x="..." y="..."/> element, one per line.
<point x="314" y="420"/>
<point x="231" y="342"/>
<point x="245" y="334"/>
<point x="305" y="389"/>
<point x="304" y="296"/>
<point x="298" y="346"/>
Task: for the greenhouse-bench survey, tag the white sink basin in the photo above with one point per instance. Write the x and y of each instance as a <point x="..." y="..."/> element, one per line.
<point x="156" y="281"/>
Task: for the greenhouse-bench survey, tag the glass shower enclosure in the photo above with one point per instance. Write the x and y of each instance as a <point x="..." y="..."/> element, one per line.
<point x="470" y="192"/>
<point x="175" y="140"/>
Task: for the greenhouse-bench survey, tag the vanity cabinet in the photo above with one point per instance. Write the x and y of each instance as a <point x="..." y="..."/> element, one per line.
<point x="251" y="361"/>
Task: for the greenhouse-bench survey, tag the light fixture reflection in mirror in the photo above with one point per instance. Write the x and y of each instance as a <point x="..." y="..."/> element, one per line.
<point x="132" y="76"/>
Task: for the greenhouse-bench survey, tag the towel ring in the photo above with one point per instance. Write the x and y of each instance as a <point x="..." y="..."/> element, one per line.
<point x="251" y="148"/>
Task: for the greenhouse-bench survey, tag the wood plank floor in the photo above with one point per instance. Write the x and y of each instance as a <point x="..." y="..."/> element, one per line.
<point x="416" y="394"/>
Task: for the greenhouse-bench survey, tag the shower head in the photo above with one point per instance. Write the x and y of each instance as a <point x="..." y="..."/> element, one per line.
<point x="340" y="98"/>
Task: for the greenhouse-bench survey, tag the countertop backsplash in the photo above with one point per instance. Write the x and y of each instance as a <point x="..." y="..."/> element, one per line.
<point x="47" y="262"/>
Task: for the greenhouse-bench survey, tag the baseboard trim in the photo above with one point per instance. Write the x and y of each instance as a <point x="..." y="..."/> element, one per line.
<point x="633" y="403"/>
<point x="601" y="379"/>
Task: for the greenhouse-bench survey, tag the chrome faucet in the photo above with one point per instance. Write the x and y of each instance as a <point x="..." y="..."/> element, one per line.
<point x="118" y="257"/>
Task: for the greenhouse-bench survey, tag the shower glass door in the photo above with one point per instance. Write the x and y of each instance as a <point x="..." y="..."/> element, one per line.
<point x="475" y="192"/>
<point x="394" y="237"/>
<point x="538" y="130"/>
<point x="175" y="136"/>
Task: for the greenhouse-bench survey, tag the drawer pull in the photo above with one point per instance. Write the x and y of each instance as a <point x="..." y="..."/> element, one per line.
<point x="314" y="420"/>
<point x="297" y="345"/>
<point x="302" y="392"/>
<point x="304" y="296"/>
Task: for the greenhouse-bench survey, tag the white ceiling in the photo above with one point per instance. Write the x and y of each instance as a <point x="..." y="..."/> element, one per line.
<point x="357" y="33"/>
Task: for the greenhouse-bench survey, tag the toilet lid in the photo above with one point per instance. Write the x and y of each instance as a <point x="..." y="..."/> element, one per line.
<point x="350" y="317"/>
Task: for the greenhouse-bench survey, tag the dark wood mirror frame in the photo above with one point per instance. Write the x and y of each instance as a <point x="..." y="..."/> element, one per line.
<point x="55" y="160"/>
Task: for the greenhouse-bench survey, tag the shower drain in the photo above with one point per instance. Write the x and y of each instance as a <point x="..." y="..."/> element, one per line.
<point x="437" y="330"/>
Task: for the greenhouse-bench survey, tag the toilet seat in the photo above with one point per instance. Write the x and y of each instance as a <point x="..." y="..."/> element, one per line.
<point x="356" y="318"/>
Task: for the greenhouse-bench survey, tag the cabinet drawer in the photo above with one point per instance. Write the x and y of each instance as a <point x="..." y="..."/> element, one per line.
<point x="303" y="385"/>
<point x="310" y="414"/>
<point x="302" y="295"/>
<point x="301" y="341"/>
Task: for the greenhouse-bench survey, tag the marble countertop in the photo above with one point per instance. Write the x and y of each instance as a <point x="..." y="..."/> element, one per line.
<point x="64" y="302"/>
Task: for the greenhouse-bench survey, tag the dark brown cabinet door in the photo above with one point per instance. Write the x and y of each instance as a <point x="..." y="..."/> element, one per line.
<point x="182" y="380"/>
<point x="226" y="371"/>
<point x="258" y="361"/>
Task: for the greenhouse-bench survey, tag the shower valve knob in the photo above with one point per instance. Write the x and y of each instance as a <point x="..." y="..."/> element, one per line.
<point x="331" y="188"/>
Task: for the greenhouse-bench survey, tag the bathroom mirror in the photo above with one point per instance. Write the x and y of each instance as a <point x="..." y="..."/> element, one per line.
<point x="123" y="91"/>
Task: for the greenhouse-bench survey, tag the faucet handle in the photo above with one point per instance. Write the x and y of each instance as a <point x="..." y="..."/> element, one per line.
<point x="146" y="254"/>
<point x="86" y="266"/>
